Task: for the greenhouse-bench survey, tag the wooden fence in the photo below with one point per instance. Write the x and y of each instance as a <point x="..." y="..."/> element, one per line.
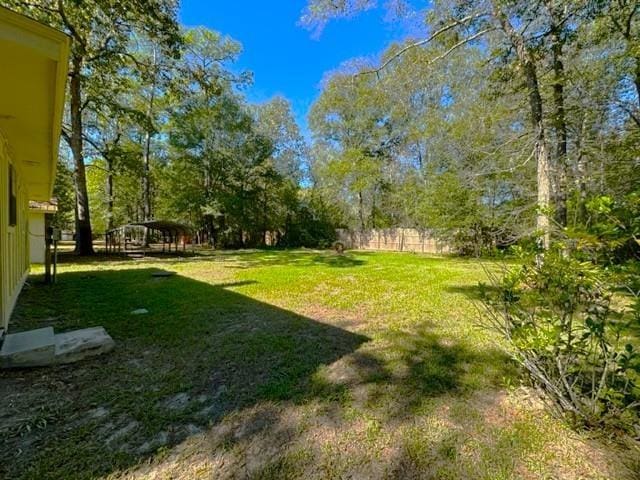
<point x="393" y="239"/>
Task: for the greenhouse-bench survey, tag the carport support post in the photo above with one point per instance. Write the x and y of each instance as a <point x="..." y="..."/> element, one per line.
<point x="48" y="238"/>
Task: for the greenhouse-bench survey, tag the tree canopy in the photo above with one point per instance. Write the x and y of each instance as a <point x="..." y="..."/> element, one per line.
<point x="508" y="121"/>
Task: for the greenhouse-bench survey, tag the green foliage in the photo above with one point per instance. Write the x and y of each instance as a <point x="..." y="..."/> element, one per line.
<point x="425" y="146"/>
<point x="275" y="120"/>
<point x="567" y="329"/>
<point x="64" y="195"/>
<point x="457" y="109"/>
<point x="311" y="223"/>
<point x="612" y="234"/>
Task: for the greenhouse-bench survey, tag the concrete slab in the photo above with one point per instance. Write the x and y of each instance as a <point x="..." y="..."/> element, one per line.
<point x="79" y="344"/>
<point x="28" y="349"/>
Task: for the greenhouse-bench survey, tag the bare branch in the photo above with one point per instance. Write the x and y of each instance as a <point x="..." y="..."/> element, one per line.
<point x="431" y="37"/>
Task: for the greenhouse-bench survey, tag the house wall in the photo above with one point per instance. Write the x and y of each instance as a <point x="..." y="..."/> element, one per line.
<point x="14" y="246"/>
<point x="36" y="237"/>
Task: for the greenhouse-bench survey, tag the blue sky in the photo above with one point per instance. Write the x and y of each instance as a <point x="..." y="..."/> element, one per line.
<point x="285" y="58"/>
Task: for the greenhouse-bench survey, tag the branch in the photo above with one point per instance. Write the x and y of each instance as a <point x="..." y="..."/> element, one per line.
<point x="65" y="135"/>
<point x="629" y="22"/>
<point x="506" y="170"/>
<point x="93" y="143"/>
<point x="71" y="28"/>
<point x="103" y="50"/>
<point x="630" y="112"/>
<point x="439" y="32"/>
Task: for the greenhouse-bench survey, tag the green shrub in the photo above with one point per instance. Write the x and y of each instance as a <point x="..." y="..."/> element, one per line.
<point x="565" y="325"/>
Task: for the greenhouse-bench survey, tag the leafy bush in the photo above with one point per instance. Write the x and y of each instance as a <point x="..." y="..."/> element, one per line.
<point x="565" y="325"/>
<point x="310" y="225"/>
<point x="612" y="233"/>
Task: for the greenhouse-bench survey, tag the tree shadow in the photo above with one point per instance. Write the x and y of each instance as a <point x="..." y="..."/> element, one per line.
<point x="102" y="257"/>
<point x="417" y="367"/>
<point x="200" y="353"/>
<point x="474" y="292"/>
<point x="243" y="259"/>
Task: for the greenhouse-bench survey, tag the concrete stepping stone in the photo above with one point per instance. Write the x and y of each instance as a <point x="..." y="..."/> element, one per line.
<point x="163" y="273"/>
<point x="41" y="347"/>
<point x="80" y="344"/>
<point x="34" y="348"/>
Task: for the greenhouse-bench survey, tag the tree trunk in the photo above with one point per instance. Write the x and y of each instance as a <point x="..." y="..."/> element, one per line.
<point x="146" y="183"/>
<point x="543" y="223"/>
<point x="373" y="209"/>
<point x="636" y="79"/>
<point x="580" y="217"/>
<point x="109" y="188"/>
<point x="146" y="187"/>
<point x="146" y="175"/>
<point x="541" y="153"/>
<point x="84" y="240"/>
<point x="361" y="211"/>
<point x="559" y="121"/>
<point x="265" y="220"/>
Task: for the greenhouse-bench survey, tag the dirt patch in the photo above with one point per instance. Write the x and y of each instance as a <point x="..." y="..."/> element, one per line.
<point x="350" y="320"/>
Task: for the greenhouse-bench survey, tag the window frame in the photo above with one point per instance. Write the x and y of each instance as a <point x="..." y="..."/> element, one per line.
<point x="12" y="218"/>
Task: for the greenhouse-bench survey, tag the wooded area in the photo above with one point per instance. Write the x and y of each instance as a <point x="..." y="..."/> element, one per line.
<point x="512" y="124"/>
<point x="510" y="121"/>
<point x="158" y="127"/>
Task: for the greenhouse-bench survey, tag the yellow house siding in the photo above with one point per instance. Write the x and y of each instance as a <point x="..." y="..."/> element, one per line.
<point x="14" y="246"/>
<point x="31" y="107"/>
<point x="36" y="237"/>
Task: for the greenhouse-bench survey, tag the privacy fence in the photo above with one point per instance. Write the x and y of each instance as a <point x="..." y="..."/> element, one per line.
<point x="393" y="239"/>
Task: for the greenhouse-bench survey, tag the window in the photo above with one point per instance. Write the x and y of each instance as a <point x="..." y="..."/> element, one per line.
<point x="13" y="208"/>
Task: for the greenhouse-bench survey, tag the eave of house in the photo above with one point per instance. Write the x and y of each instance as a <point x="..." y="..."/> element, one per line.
<point x="34" y="67"/>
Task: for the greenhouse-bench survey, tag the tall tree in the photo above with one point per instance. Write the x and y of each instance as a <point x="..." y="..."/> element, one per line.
<point x="100" y="31"/>
<point x="503" y="23"/>
<point x="351" y="117"/>
<point x="275" y="120"/>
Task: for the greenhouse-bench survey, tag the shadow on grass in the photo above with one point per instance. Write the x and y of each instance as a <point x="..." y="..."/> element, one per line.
<point x="474" y="292"/>
<point x="416" y="368"/>
<point x="201" y="353"/>
<point x="102" y="257"/>
<point x="243" y="258"/>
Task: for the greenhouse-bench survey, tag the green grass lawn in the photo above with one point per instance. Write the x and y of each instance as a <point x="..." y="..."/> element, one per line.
<point x="281" y="365"/>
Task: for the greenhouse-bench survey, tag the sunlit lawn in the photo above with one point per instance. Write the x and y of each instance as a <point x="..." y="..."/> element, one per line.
<point x="270" y="364"/>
